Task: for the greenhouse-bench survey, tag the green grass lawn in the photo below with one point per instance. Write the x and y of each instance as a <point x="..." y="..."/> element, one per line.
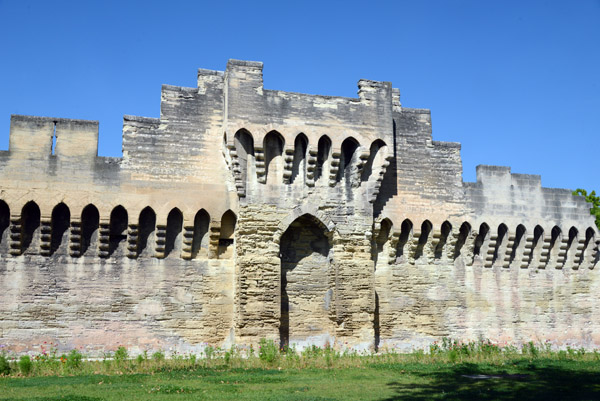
<point x="518" y="379"/>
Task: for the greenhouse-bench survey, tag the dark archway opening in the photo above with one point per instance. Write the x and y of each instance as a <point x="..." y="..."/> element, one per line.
<point x="273" y="147"/>
<point x="61" y="220"/>
<point x="90" y="220"/>
<point x="4" y="224"/>
<point x="426" y="228"/>
<point x="519" y="236"/>
<point x="323" y="152"/>
<point x="173" y="234"/>
<point x="380" y="242"/>
<point x="572" y="244"/>
<point x="147" y="225"/>
<point x="376" y="147"/>
<point x="347" y="160"/>
<point x="555" y="240"/>
<point x="463" y="234"/>
<point x="200" y="239"/>
<point x="305" y="287"/>
<point x="117" y="233"/>
<point x="444" y="233"/>
<point x="538" y="240"/>
<point x="406" y="230"/>
<point x="500" y="242"/>
<point x="227" y="235"/>
<point x="244" y="147"/>
<point x="30" y="224"/>
<point x="299" y="162"/>
<point x="480" y="240"/>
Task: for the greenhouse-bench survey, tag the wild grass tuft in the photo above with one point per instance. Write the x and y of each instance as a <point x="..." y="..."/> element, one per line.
<point x="269" y="355"/>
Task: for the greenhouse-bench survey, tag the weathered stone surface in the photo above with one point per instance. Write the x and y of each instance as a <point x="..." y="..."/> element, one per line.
<point x="245" y="213"/>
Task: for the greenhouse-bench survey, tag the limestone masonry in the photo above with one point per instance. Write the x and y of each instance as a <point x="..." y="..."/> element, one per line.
<point x="245" y="213"/>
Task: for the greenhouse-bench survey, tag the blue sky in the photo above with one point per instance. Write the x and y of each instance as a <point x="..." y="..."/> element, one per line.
<point x="516" y="82"/>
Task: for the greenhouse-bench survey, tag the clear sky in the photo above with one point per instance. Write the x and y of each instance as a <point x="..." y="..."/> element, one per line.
<point x="516" y="82"/>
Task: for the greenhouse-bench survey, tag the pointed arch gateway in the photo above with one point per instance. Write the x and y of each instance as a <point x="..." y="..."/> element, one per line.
<point x="306" y="283"/>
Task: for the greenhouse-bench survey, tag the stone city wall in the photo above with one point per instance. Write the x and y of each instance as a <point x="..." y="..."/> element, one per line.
<point x="245" y="213"/>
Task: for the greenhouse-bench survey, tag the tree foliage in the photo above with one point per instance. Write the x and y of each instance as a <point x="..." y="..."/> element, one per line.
<point x="594" y="200"/>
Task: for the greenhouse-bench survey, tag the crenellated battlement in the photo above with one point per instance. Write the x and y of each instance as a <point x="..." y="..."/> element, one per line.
<point x="520" y="198"/>
<point x="243" y="213"/>
<point x="43" y="137"/>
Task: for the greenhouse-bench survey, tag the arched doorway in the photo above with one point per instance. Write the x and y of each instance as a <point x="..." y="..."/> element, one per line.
<point x="306" y="287"/>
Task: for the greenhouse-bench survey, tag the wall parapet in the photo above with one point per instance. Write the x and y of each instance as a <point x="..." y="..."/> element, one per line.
<point x="43" y="137"/>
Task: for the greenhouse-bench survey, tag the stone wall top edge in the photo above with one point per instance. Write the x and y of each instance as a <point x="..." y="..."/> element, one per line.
<point x="489" y="167"/>
<point x="443" y="144"/>
<point x="521" y="176"/>
<point x="311" y="95"/>
<point x="560" y="191"/>
<point x="415" y="111"/>
<point x="139" y="119"/>
<point x="203" y="71"/>
<point x="516" y="177"/>
<point x="176" y="88"/>
<point x="244" y="63"/>
<point x="23" y="117"/>
<point x="371" y="82"/>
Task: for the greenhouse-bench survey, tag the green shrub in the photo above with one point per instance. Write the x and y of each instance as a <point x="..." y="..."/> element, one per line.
<point x="209" y="352"/>
<point x="74" y="359"/>
<point x="312" y="351"/>
<point x="25" y="364"/>
<point x="4" y="365"/>
<point x="121" y="354"/>
<point x="158" y="356"/>
<point x="268" y="350"/>
<point x="532" y="349"/>
<point x="143" y="357"/>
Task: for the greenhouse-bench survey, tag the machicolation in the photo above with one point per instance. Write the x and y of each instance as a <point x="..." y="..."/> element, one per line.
<point x="245" y="213"/>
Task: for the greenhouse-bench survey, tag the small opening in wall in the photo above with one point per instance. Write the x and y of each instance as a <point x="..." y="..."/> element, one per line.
<point x="445" y="232"/>
<point x="201" y="238"/>
<point x="405" y="233"/>
<point x="226" y="237"/>
<point x="482" y="237"/>
<point x="53" y="148"/>
<point x="225" y="242"/>
<point x="465" y="230"/>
